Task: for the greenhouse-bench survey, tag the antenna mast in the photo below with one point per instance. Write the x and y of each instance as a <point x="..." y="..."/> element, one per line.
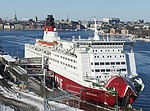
<point x="96" y="36"/>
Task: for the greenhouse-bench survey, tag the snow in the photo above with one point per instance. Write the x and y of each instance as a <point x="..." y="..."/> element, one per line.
<point x="9" y="58"/>
<point x="5" y="108"/>
<point x="1" y="77"/>
<point x="32" y="99"/>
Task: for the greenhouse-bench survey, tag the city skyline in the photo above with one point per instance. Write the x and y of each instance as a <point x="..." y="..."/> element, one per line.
<point x="77" y="9"/>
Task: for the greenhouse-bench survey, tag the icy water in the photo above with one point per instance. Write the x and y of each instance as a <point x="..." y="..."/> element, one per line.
<point x="13" y="43"/>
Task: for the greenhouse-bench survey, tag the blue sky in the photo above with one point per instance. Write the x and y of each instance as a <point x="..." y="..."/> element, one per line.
<point x="77" y="9"/>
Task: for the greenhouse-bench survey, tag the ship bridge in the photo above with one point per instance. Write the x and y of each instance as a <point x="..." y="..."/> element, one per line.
<point x="89" y="43"/>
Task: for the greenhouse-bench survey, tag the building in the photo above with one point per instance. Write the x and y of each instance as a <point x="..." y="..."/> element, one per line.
<point x="111" y="20"/>
<point x="112" y="31"/>
<point x="7" y="26"/>
<point x="1" y="26"/>
<point x="124" y="31"/>
<point x="1" y="21"/>
<point x="18" y="26"/>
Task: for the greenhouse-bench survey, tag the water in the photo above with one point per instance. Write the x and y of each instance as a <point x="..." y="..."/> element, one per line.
<point x="13" y="43"/>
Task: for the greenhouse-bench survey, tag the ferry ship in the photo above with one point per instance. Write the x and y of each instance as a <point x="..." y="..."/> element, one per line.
<point x="98" y="71"/>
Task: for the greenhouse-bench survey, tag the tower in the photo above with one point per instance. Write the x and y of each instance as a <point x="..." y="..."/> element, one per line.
<point x="36" y="18"/>
<point x="15" y="18"/>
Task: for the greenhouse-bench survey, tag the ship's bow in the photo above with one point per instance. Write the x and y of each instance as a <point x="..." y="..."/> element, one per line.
<point x="125" y="90"/>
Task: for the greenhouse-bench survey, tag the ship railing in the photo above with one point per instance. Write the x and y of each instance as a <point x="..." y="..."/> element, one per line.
<point x="75" y="93"/>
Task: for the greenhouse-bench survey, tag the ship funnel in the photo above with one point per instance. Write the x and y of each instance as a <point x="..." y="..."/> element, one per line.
<point x="50" y="33"/>
<point x="96" y="36"/>
<point x="49" y="23"/>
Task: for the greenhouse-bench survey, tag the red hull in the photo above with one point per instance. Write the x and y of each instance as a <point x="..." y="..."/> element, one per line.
<point x="100" y="96"/>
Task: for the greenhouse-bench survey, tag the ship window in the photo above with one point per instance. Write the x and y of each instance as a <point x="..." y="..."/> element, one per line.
<point x="107" y="70"/>
<point x="91" y="63"/>
<point x="103" y="56"/>
<point x="122" y="62"/>
<point x="118" y="70"/>
<point x="110" y="56"/>
<point x="92" y="70"/>
<point x="101" y="63"/>
<point x="123" y="69"/>
<point x="107" y="63"/>
<point x="112" y="63"/>
<point x="93" y="50"/>
<point x="117" y="63"/>
<point x="102" y="70"/>
<point x="96" y="63"/>
<point x="97" y="56"/>
<point x="99" y="76"/>
<point x="101" y="50"/>
<point x="107" y="56"/>
<point x="97" y="70"/>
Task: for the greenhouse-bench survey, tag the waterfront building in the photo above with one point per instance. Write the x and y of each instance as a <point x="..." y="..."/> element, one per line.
<point x="18" y="26"/>
<point x="111" y="20"/>
<point x="112" y="31"/>
<point x="7" y="26"/>
<point x="124" y="31"/>
<point x="1" y="26"/>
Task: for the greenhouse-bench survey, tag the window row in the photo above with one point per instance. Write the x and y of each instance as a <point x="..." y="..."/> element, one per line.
<point x="68" y="59"/>
<point x="68" y="65"/>
<point x="108" y="63"/>
<point x="54" y="60"/>
<point x="106" y="50"/>
<point x="110" y="56"/>
<point x="108" y="70"/>
<point x="100" y="77"/>
<point x="105" y="76"/>
<point x="100" y="43"/>
<point x="56" y="55"/>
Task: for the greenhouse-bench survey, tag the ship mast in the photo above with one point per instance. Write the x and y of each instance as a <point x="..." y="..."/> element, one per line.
<point x="96" y="36"/>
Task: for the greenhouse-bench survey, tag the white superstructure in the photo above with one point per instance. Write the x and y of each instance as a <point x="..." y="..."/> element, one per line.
<point x="81" y="59"/>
